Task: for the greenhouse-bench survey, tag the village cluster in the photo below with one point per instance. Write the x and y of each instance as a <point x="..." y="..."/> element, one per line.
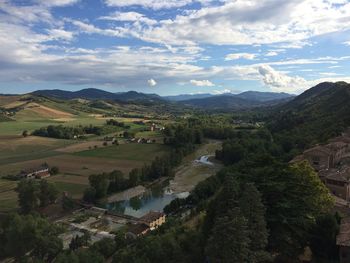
<point x="332" y="162"/>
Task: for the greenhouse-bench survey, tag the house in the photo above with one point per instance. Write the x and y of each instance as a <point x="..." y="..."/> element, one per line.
<point x="38" y="173"/>
<point x="153" y="219"/>
<point x="343" y="241"/>
<point x="320" y="157"/>
<point x="155" y="127"/>
<point x="136" y="230"/>
<point x="327" y="156"/>
<point x="338" y="183"/>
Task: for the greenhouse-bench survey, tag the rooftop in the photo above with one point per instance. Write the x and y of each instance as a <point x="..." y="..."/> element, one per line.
<point x="151" y="216"/>
<point x="138" y="229"/>
<point x="343" y="238"/>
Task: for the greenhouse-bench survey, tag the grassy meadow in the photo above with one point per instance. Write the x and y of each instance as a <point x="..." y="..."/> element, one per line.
<point x="75" y="159"/>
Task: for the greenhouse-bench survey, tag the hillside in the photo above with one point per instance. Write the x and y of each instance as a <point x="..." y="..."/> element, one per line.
<point x="263" y="96"/>
<point x="222" y="102"/>
<point x="231" y="102"/>
<point x="183" y="97"/>
<point x="314" y="116"/>
<point x="97" y="94"/>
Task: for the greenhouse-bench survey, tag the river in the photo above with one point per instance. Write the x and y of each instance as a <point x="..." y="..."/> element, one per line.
<point x="195" y="168"/>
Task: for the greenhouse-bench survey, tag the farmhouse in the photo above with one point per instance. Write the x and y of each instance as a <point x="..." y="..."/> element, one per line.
<point x="155" y="127"/>
<point x="38" y="173"/>
<point x="343" y="241"/>
<point x="153" y="219"/>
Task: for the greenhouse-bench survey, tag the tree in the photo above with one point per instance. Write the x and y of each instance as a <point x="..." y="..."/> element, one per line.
<point x="229" y="240"/>
<point x="254" y="212"/>
<point x="100" y="183"/>
<point x="134" y="177"/>
<point x="323" y="238"/>
<point x="89" y="195"/>
<point x="70" y="257"/>
<point x="68" y="203"/>
<point x="54" y="170"/>
<point x="27" y="195"/>
<point x="31" y="234"/>
<point x="90" y="256"/>
<point x="105" y="247"/>
<point x="25" y="133"/>
<point x="48" y="193"/>
<point x="80" y="241"/>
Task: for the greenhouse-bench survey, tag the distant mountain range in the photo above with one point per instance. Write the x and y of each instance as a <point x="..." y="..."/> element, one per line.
<point x="243" y="100"/>
<point x="208" y="101"/>
<point x="183" y="97"/>
<point x="97" y="94"/>
<point x="247" y="95"/>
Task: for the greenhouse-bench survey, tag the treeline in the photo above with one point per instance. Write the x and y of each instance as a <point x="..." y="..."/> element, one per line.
<point x="64" y="132"/>
<point x="113" y="122"/>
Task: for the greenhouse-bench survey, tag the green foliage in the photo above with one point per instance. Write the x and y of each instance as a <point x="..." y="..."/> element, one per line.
<point x="253" y="211"/>
<point x="48" y="193"/>
<point x="79" y="241"/>
<point x="27" y="195"/>
<point x="315" y="116"/>
<point x="105" y="247"/>
<point x="229" y="241"/>
<point x="30" y="234"/>
<point x="54" y="170"/>
<point x="323" y="238"/>
<point x="31" y="195"/>
<point x="65" y="132"/>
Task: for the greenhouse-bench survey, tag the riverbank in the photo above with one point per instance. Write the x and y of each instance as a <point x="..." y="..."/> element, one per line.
<point x="194" y="169"/>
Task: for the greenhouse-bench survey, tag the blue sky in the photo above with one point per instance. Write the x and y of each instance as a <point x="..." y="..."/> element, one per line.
<point x="173" y="46"/>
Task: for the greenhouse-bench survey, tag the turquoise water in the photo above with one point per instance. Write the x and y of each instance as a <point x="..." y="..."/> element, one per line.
<point x="154" y="199"/>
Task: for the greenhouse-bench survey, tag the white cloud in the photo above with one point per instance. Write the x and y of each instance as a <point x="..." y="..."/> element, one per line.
<point x="243" y="22"/>
<point x="153" y="4"/>
<point x="129" y="17"/>
<point x="202" y="83"/>
<point x="271" y="54"/>
<point x="57" y="34"/>
<point x="280" y="82"/>
<point x="330" y="74"/>
<point x="52" y="3"/>
<point x="152" y="82"/>
<point x="220" y="92"/>
<point x="235" y="56"/>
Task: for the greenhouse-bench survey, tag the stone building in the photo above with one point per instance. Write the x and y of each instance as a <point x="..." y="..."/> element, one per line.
<point x="343" y="241"/>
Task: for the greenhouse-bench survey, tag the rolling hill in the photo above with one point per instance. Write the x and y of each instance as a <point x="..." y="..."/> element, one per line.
<point x="235" y="102"/>
<point x="264" y="96"/>
<point x="183" y="97"/>
<point x="247" y="95"/>
<point x="97" y="94"/>
<point x="316" y="115"/>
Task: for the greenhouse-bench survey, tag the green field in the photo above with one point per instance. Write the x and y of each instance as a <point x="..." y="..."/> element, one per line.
<point x="74" y="190"/>
<point x="17" y="149"/>
<point x="129" y="151"/>
<point x="8" y="197"/>
<point x="16" y="128"/>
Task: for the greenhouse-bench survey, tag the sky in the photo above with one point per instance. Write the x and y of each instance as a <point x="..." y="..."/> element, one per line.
<point x="173" y="47"/>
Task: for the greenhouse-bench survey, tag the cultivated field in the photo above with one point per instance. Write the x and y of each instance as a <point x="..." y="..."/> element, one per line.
<point x="130" y="151"/>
